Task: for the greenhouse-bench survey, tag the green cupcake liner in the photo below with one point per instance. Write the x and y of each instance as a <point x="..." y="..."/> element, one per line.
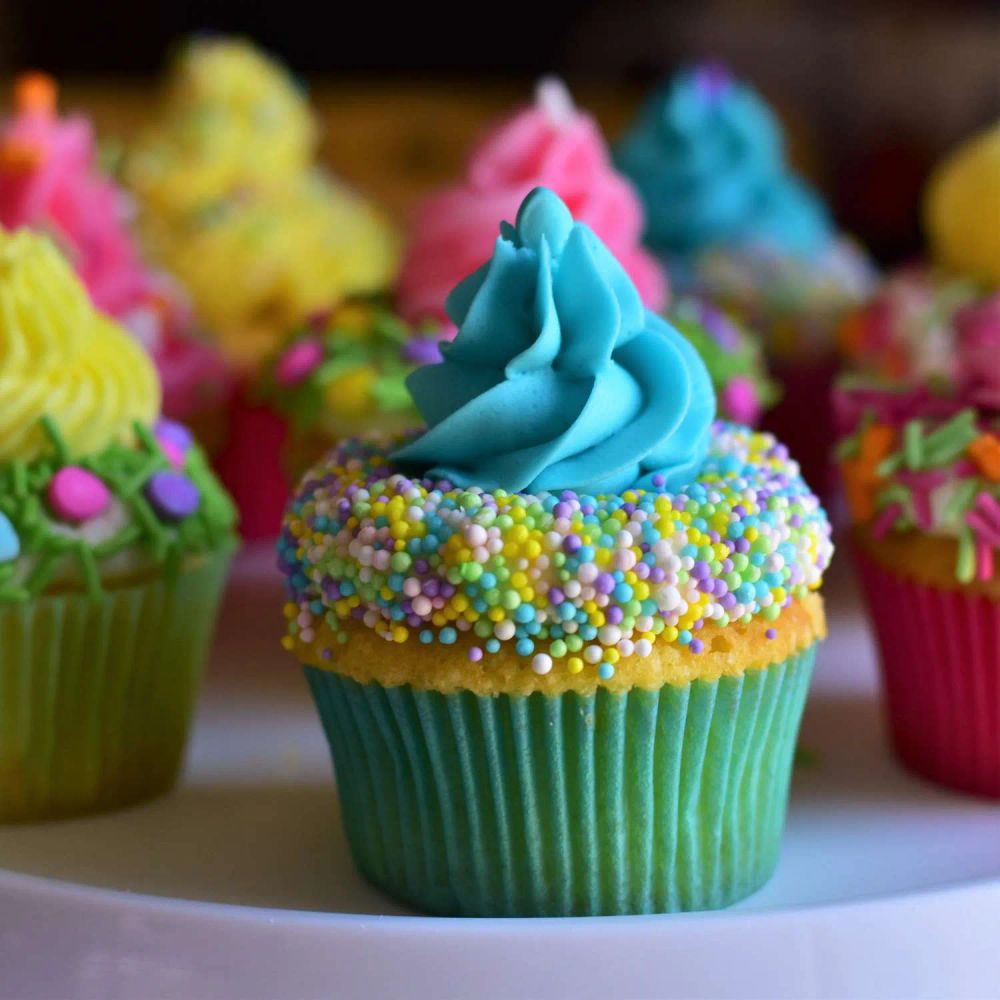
<point x="642" y="802"/>
<point x="96" y="695"/>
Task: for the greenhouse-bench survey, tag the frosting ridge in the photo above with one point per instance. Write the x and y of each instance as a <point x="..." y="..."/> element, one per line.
<point x="559" y="378"/>
<point x="60" y="358"/>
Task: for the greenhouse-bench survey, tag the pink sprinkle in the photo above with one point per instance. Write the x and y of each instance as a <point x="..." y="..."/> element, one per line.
<point x="984" y="529"/>
<point x="77" y="495"/>
<point x="885" y="520"/>
<point x="984" y="559"/>
<point x="739" y="400"/>
<point x="299" y="361"/>
<point x="174" y="454"/>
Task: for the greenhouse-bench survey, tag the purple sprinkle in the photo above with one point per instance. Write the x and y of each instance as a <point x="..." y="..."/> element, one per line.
<point x="771" y="633"/>
<point x="422" y="351"/>
<point x="701" y="570"/>
<point x="572" y="543"/>
<point x="174" y="433"/>
<point x="172" y="495"/>
<point x="562" y="509"/>
<point x="614" y="615"/>
<point x="431" y="587"/>
<point x="421" y="566"/>
<point x="657" y="574"/>
<point x="696" y="645"/>
<point x="658" y="480"/>
<point x="556" y="596"/>
<point x="604" y="583"/>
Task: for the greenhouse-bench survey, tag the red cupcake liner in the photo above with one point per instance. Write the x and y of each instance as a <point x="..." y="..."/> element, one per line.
<point x="940" y="658"/>
<point x="803" y="420"/>
<point x="251" y="467"/>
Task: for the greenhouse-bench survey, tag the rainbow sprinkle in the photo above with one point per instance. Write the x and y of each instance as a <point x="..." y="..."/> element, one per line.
<point x="563" y="579"/>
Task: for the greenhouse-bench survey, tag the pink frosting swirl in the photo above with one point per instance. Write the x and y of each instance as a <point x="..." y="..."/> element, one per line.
<point x="50" y="181"/>
<point x="550" y="144"/>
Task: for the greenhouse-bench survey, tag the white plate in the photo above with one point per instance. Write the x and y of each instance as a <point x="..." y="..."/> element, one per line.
<point x="239" y="885"/>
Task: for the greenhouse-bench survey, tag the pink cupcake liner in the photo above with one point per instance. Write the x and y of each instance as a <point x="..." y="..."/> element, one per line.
<point x="250" y="466"/>
<point x="940" y="658"/>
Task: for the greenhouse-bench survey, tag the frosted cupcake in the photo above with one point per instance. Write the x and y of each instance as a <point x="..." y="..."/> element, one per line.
<point x="920" y="457"/>
<point x="736" y="225"/>
<point x="344" y="373"/>
<point x="114" y="543"/>
<point x="571" y="590"/>
<point x="734" y="359"/>
<point x="233" y="202"/>
<point x="50" y="181"/>
<point x="550" y="144"/>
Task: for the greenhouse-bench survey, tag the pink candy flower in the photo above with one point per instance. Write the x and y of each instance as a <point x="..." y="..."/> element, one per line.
<point x="978" y="326"/>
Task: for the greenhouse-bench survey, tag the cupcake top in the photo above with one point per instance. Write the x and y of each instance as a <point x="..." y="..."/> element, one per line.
<point x="734" y="359"/>
<point x="571" y="499"/>
<point x="92" y="487"/>
<point x="344" y="371"/>
<point x="962" y="207"/>
<point x="707" y="156"/>
<point x="923" y="456"/>
<point x="50" y="181"/>
<point x="230" y="117"/>
<point x="232" y="202"/>
<point x="550" y="144"/>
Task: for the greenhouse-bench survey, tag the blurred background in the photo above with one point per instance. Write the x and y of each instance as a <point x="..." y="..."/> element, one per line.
<point x="871" y="93"/>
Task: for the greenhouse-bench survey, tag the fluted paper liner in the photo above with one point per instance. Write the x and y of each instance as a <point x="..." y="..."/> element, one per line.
<point x="96" y="695"/>
<point x="642" y="802"/>
<point x="940" y="658"/>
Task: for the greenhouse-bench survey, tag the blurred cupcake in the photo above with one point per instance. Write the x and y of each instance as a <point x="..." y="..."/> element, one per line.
<point x="114" y="543"/>
<point x="233" y="202"/>
<point x="920" y="456"/>
<point x="737" y="226"/>
<point x="549" y="144"/>
<point x="50" y="181"/>
<point x="344" y="373"/>
<point x="734" y="359"/>
<point x="522" y="622"/>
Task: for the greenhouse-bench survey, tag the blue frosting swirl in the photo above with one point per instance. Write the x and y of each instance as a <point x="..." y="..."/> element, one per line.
<point x="559" y="377"/>
<point x="707" y="157"/>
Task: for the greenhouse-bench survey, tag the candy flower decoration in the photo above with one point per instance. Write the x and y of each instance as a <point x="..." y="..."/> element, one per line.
<point x="580" y="386"/>
<point x="550" y="144"/>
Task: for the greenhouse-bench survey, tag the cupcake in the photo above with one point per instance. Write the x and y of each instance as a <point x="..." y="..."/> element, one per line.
<point x="570" y="615"/>
<point x="232" y="201"/>
<point x="50" y="181"/>
<point x="550" y="144"/>
<point x="343" y="373"/>
<point x="114" y="543"/>
<point x="735" y="224"/>
<point x="734" y="359"/>
<point x="920" y="457"/>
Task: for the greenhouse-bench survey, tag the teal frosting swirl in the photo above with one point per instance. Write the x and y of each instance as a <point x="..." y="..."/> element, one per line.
<point x="707" y="157"/>
<point x="559" y="378"/>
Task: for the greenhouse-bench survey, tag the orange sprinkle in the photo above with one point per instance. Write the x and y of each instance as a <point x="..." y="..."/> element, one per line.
<point x="861" y="478"/>
<point x="35" y="92"/>
<point x="985" y="455"/>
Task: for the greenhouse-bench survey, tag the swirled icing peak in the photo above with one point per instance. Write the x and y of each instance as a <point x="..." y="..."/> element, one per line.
<point x="559" y="378"/>
<point x="706" y="154"/>
<point x="962" y="209"/>
<point x="549" y="144"/>
<point x="61" y="359"/>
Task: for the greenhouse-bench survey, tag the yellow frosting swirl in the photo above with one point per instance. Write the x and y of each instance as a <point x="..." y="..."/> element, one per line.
<point x="962" y="209"/>
<point x="232" y="203"/>
<point x="61" y="358"/>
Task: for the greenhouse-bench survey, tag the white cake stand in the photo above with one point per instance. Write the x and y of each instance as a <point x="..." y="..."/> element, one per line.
<point x="239" y="884"/>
